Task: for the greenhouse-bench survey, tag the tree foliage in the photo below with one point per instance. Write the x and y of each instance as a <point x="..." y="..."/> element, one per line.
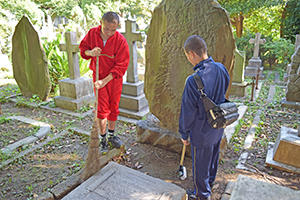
<point x="291" y="20"/>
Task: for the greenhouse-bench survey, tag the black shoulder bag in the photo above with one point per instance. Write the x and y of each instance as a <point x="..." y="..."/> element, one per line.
<point x="219" y="116"/>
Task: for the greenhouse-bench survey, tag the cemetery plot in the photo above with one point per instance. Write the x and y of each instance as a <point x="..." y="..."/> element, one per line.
<point x="43" y="168"/>
<point x="14" y="130"/>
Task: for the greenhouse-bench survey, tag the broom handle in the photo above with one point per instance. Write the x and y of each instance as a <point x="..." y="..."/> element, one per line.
<point x="97" y="78"/>
<point x="182" y="154"/>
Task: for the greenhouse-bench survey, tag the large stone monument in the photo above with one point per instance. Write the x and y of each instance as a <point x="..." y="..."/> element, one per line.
<point x="293" y="84"/>
<point x="75" y="91"/>
<point x="167" y="67"/>
<point x="285" y="153"/>
<point x="133" y="103"/>
<point x="29" y="61"/>
<point x="238" y="86"/>
<point x="255" y="64"/>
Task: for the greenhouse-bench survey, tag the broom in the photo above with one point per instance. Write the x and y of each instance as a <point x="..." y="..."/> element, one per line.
<point x="93" y="158"/>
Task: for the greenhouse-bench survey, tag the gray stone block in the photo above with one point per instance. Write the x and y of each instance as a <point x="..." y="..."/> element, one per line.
<point x="290" y="104"/>
<point x="76" y="88"/>
<point x="73" y="104"/>
<point x="247" y="188"/>
<point x="133" y="103"/>
<point x="133" y="89"/>
<point x="116" y="182"/>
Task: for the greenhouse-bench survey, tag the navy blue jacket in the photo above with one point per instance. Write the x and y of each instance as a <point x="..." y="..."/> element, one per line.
<point x="192" y="121"/>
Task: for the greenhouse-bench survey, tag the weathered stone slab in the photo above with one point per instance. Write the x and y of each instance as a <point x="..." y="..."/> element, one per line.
<point x="287" y="147"/>
<point x="115" y="182"/>
<point x="270" y="162"/>
<point x="247" y="188"/>
<point x="29" y="61"/>
<point x="166" y="65"/>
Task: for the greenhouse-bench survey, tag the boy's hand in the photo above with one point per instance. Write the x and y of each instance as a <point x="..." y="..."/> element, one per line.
<point x="186" y="142"/>
<point x="94" y="52"/>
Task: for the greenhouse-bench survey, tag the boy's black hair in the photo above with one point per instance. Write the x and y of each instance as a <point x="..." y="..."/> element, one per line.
<point x="110" y="17"/>
<point x="196" y="44"/>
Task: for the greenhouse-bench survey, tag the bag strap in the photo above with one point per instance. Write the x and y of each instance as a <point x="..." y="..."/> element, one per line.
<point x="207" y="102"/>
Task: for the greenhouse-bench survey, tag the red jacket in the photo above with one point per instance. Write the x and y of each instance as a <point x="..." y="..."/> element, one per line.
<point x="115" y="53"/>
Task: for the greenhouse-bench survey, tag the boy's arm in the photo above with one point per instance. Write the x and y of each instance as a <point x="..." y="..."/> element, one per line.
<point x="189" y="109"/>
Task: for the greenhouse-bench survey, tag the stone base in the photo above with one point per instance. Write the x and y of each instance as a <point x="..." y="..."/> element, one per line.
<point x="75" y="93"/>
<point x="73" y="104"/>
<point x="238" y="89"/>
<point x="115" y="182"/>
<point x="134" y="115"/>
<point x="149" y="132"/>
<point x="251" y="71"/>
<point x="270" y="162"/>
<point x="133" y="103"/>
<point x="291" y="104"/>
<point x="244" y="186"/>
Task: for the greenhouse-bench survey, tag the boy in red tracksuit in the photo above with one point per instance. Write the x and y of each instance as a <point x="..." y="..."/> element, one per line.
<point x="111" y="47"/>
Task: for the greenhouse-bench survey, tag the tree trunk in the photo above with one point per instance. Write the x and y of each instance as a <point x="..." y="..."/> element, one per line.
<point x="239" y="24"/>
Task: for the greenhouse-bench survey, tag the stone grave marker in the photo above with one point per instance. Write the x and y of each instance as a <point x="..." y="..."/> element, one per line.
<point x="246" y="188"/>
<point x="133" y="103"/>
<point x="293" y="84"/>
<point x="255" y="64"/>
<point x="289" y="66"/>
<point x="29" y="61"/>
<point x="238" y="86"/>
<point x="297" y="42"/>
<point x="75" y="91"/>
<point x="285" y="153"/>
<point x="167" y="67"/>
<point x="115" y="182"/>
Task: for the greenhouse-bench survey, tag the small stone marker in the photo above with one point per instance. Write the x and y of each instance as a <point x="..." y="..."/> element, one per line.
<point x="29" y="61"/>
<point x="255" y="63"/>
<point x="238" y="86"/>
<point x="247" y="188"/>
<point x="75" y="91"/>
<point x="116" y="182"/>
<point x="133" y="103"/>
<point x="285" y="153"/>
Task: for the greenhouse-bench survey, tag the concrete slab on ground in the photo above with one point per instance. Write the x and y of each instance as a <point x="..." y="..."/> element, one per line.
<point x="247" y="188"/>
<point x="115" y="182"/>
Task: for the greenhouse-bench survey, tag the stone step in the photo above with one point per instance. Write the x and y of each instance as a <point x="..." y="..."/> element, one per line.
<point x="115" y="182"/>
<point x="246" y="188"/>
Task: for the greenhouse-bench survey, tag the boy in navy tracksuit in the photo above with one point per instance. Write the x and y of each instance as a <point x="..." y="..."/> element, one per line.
<point x="205" y="141"/>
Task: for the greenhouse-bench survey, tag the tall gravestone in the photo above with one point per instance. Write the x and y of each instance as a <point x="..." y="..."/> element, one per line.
<point x="255" y="64"/>
<point x="293" y="84"/>
<point x="167" y="67"/>
<point x="29" y="61"/>
<point x="289" y="66"/>
<point x="75" y="91"/>
<point x="297" y="42"/>
<point x="133" y="103"/>
<point x="238" y="86"/>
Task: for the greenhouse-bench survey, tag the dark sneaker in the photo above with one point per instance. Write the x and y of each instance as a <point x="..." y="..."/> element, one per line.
<point x="192" y="196"/>
<point x="115" y="141"/>
<point x="104" y="145"/>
